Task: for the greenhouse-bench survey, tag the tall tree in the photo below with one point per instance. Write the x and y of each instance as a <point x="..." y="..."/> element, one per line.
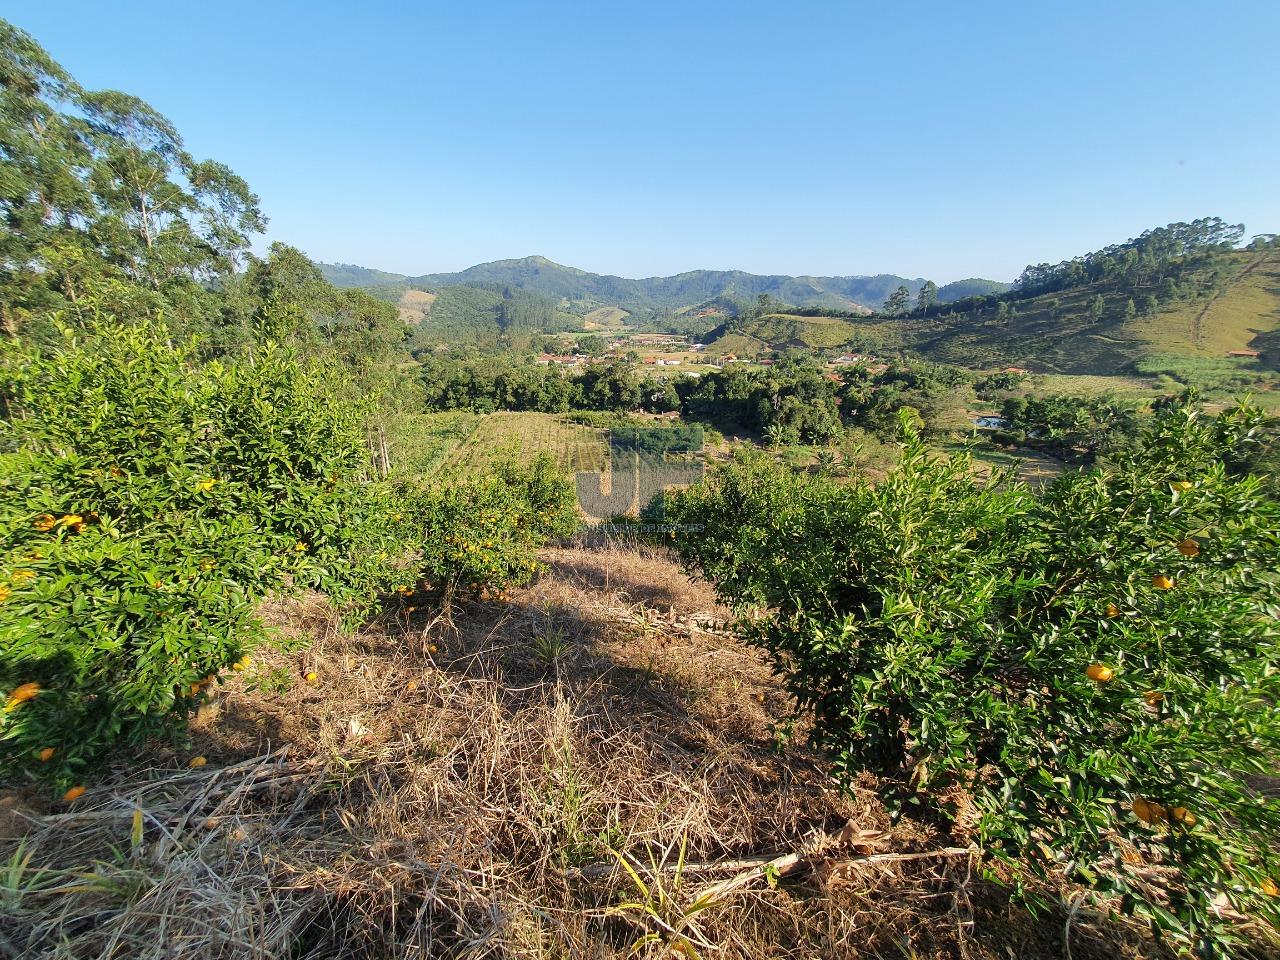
<point x="927" y="296"/>
<point x="899" y="302"/>
<point x="98" y="189"/>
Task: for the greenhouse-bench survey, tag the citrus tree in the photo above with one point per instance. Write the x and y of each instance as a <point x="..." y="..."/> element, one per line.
<point x="483" y="532"/>
<point x="1094" y="668"/>
<point x="148" y="502"/>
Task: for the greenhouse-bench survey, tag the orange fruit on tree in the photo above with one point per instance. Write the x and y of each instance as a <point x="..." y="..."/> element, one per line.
<point x="1148" y="811"/>
<point x="1162" y="582"/>
<point x="75" y="793"/>
<point x="1188" y="547"/>
<point x="21" y="694"/>
<point x="1099" y="672"/>
<point x="46" y="754"/>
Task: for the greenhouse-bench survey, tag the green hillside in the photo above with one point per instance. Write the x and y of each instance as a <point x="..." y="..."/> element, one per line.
<point x="462" y="314"/>
<point x="1056" y="332"/>
<point x="782" y="331"/>
<point x="350" y="275"/>
<point x="591" y="290"/>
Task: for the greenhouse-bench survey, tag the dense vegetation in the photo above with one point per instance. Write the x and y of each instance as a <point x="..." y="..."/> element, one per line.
<point x="506" y="316"/>
<point x="180" y="438"/>
<point x="792" y="401"/>
<point x="1164" y="257"/>
<point x="150" y="502"/>
<point x="1071" y="428"/>
<point x="1077" y="679"/>
<point x="1095" y="667"/>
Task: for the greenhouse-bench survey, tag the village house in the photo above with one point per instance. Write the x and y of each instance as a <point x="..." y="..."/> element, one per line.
<point x="559" y="360"/>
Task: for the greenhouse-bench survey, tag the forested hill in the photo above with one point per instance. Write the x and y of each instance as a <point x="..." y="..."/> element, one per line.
<point x="542" y="276"/>
<point x="1184" y="293"/>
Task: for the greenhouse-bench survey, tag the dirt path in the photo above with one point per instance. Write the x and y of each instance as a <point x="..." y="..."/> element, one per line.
<point x="1197" y="324"/>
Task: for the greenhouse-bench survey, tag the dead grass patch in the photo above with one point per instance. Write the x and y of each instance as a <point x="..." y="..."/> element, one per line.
<point x="466" y="789"/>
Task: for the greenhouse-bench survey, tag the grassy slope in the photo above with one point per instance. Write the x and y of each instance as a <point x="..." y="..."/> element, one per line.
<point x="1053" y="332"/>
<point x="605" y="318"/>
<point x="414" y="305"/>
<point x="782" y="330"/>
<point x="1246" y="316"/>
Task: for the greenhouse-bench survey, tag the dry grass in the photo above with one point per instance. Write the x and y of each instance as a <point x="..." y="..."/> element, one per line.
<point x="466" y="789"/>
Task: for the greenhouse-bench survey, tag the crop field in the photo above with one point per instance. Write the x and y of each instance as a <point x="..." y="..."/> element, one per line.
<point x="414" y="305"/>
<point x="469" y="443"/>
<point x="421" y="442"/>
<point x="1085" y="385"/>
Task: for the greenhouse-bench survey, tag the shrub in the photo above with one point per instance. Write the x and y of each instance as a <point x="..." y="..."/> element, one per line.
<point x="483" y="533"/>
<point x="657" y="440"/>
<point x="147" y="503"/>
<point x="1096" y="667"/>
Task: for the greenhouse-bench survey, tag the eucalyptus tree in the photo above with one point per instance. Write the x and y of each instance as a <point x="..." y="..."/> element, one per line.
<point x="899" y="302"/>
<point x="100" y="197"/>
<point x="927" y="296"/>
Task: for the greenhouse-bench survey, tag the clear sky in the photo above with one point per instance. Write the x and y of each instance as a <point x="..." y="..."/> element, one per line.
<point x="938" y="139"/>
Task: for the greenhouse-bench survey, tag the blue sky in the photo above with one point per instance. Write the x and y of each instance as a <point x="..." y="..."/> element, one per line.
<point x="939" y="139"/>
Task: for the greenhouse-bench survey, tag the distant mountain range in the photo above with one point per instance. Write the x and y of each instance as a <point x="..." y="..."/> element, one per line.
<point x="584" y="289"/>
